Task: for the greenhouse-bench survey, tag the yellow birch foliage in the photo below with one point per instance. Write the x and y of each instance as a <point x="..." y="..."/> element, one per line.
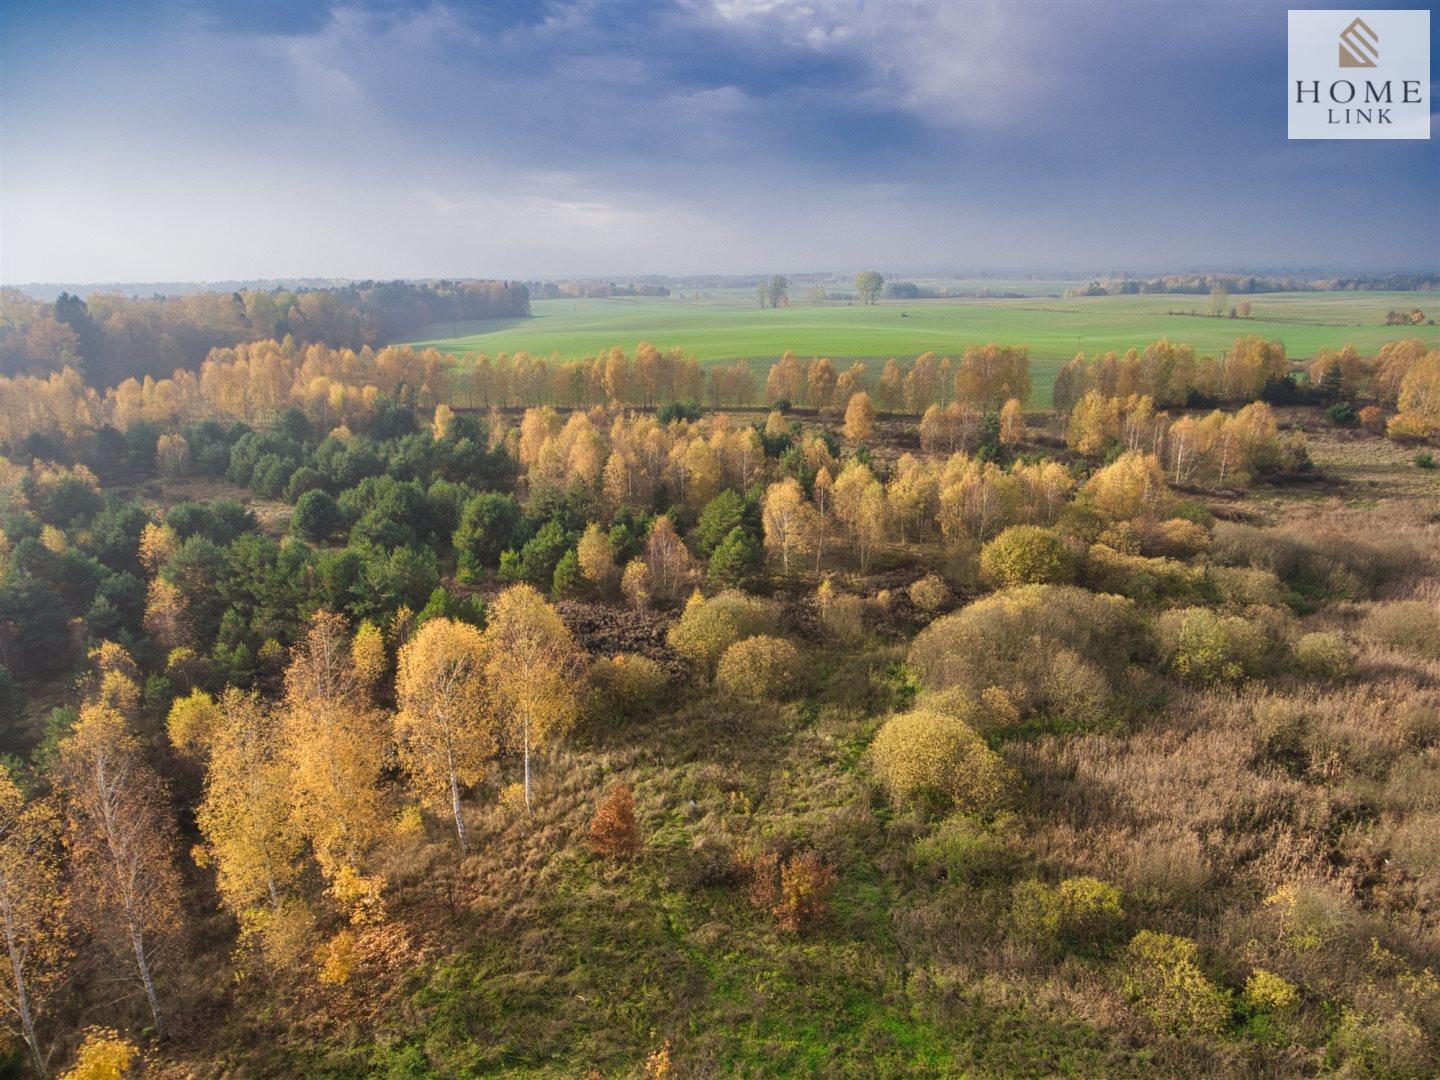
<point x="444" y="727"/>
<point x="1419" y="400"/>
<point x="859" y="417"/>
<point x="1012" y="422"/>
<point x="597" y="557"/>
<point x="368" y="653"/>
<point x="250" y="834"/>
<point x="104" y="1055"/>
<point x="121" y="843"/>
<point x="1133" y="485"/>
<point x="336" y="744"/>
<point x="193" y="722"/>
<point x="167" y="615"/>
<point x="157" y="544"/>
<point x="786" y="516"/>
<point x="32" y="909"/>
<point x="533" y="668"/>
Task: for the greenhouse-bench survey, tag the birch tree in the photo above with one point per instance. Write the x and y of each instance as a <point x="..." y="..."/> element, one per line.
<point x="32" y="909"/>
<point x="121" y="844"/>
<point x="336" y="743"/>
<point x="444" y="728"/>
<point x="245" y="816"/>
<point x="533" y="668"/>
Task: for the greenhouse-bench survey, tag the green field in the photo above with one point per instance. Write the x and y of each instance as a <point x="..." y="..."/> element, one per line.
<point x="729" y="327"/>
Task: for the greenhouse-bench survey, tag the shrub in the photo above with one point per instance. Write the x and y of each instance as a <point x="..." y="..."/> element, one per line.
<point x="1314" y="562"/>
<point x="805" y="886"/>
<point x="1424" y="460"/>
<point x="764" y="873"/>
<point x="842" y="615"/>
<point x="711" y="862"/>
<point x="1201" y="646"/>
<point x="1309" y="915"/>
<point x="1079" y="913"/>
<point x="1147" y="581"/>
<point x="1342" y="414"/>
<point x="1410" y="626"/>
<point x="1051" y="648"/>
<point x="708" y="627"/>
<point x="1027" y="555"/>
<point x="627" y="686"/>
<point x="758" y="668"/>
<point x="1163" y="978"/>
<point x="1323" y="656"/>
<point x="1267" y="992"/>
<point x="1242" y="586"/>
<point x="1381" y="1046"/>
<point x="929" y="593"/>
<point x="1176" y="537"/>
<point x="613" y="833"/>
<point x="103" y="1055"/>
<point x="795" y="890"/>
<point x="964" y="848"/>
<point x="935" y="757"/>
<point x="658" y="1064"/>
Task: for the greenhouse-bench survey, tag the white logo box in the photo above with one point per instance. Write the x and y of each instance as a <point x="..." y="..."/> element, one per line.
<point x="1359" y="80"/>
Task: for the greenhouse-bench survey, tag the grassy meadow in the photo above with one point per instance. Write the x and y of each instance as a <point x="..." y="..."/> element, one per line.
<point x="729" y="325"/>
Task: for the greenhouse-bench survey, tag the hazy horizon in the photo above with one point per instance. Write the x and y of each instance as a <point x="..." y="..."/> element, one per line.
<point x="48" y="290"/>
<point x="170" y="143"/>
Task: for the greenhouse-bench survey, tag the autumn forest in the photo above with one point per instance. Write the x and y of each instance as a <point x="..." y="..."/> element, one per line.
<point x="368" y="710"/>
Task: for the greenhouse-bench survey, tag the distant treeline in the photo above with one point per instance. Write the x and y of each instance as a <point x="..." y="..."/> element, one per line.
<point x="109" y="338"/>
<point x="566" y="290"/>
<point x="909" y="290"/>
<point x="1202" y="284"/>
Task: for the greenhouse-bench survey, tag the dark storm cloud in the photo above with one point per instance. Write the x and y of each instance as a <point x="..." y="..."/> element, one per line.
<point x="219" y="139"/>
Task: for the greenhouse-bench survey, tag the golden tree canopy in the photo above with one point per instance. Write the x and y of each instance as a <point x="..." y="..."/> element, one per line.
<point x="444" y="727"/>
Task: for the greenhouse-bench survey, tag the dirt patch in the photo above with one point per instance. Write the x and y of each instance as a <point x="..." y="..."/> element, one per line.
<point x="604" y="630"/>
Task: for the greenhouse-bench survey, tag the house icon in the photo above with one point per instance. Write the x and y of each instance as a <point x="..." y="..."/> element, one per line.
<point x="1359" y="46"/>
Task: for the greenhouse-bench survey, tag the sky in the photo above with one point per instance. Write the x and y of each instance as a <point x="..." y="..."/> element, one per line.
<point x="170" y="141"/>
